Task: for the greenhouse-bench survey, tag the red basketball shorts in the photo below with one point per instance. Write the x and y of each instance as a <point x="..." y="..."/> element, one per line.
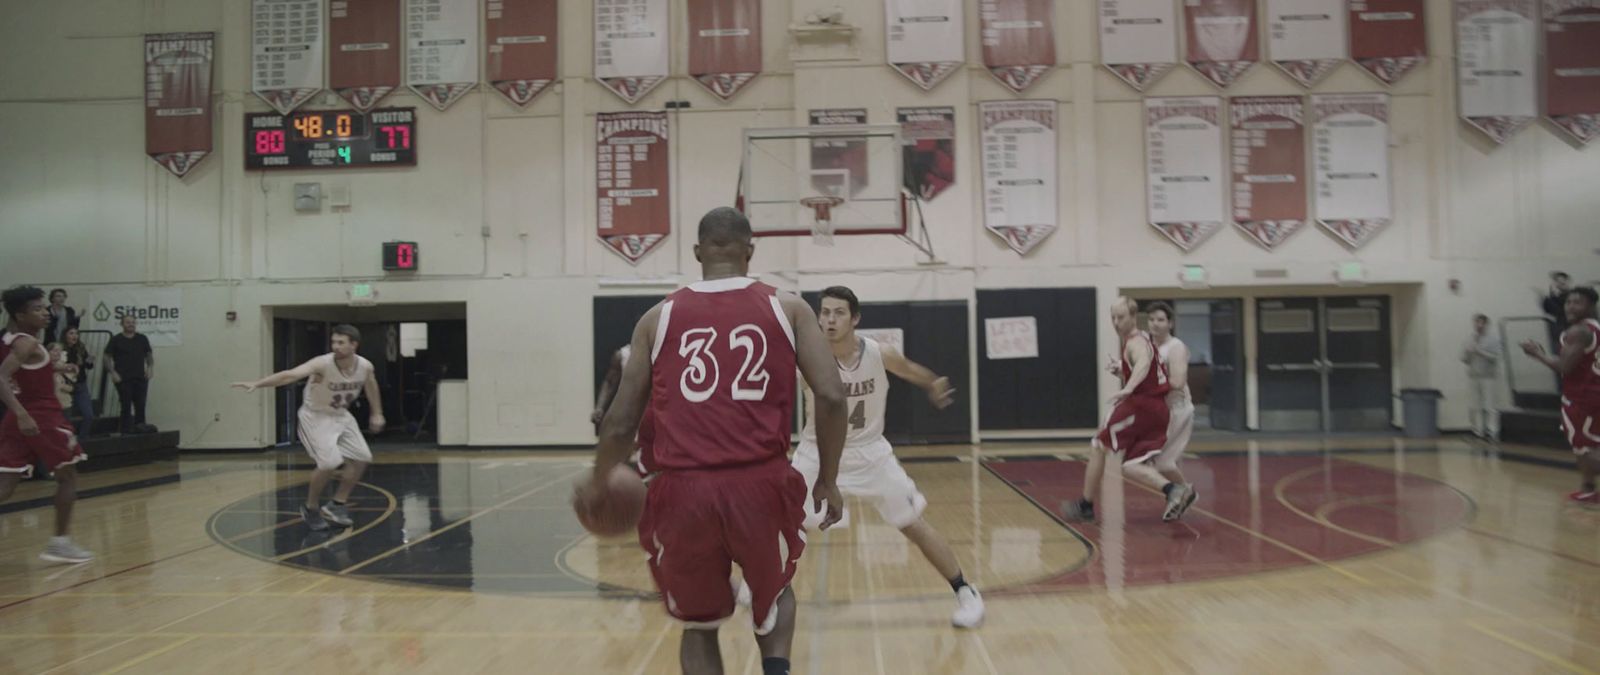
<point x="696" y="524"/>
<point x="56" y="444"/>
<point x="1581" y="422"/>
<point x="1137" y="426"/>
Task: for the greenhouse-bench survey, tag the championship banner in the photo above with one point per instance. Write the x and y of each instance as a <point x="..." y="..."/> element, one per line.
<point x="633" y="181"/>
<point x="286" y="51"/>
<point x="630" y="46"/>
<point x="1019" y="171"/>
<point x="1350" y="154"/>
<point x="925" y="38"/>
<point x="1183" y="167"/>
<point x="838" y="161"/>
<point x="1019" y="42"/>
<point x="177" y="99"/>
<point x="1222" y="38"/>
<point x="1572" y="67"/>
<point x="522" y="48"/>
<point x="724" y="44"/>
<point x="442" y="53"/>
<point x="364" y="50"/>
<point x="928" y="152"/>
<point x="1269" y="166"/>
<point x="158" y="311"/>
<point x="1387" y="37"/>
<point x="1138" y="39"/>
<point x="1307" y="39"/>
<point x="1497" y="71"/>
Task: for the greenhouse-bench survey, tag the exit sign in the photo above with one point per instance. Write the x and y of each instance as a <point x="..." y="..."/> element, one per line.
<point x="400" y="256"/>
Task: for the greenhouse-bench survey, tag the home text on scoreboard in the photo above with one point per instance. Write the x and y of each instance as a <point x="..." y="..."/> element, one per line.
<point x="330" y="139"/>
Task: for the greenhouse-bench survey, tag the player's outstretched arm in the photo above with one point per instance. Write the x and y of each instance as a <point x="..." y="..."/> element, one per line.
<point x="1178" y="366"/>
<point x="22" y="347"/>
<point x="821" y="373"/>
<point x="281" y="377"/>
<point x="620" y="427"/>
<point x="940" y="393"/>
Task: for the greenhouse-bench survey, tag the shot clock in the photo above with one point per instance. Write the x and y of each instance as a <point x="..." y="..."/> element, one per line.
<point x="330" y="139"/>
<point x="400" y="256"/>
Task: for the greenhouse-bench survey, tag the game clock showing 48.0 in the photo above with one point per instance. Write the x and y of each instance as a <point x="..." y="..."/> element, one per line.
<point x="330" y="139"/>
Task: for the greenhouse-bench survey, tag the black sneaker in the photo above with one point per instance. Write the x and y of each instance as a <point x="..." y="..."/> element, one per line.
<point x="1188" y="500"/>
<point x="313" y="519"/>
<point x="336" y="513"/>
<point x="1077" y="511"/>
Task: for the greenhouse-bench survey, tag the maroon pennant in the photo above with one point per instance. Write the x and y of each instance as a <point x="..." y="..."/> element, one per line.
<point x="522" y="49"/>
<point x="724" y="44"/>
<point x="177" y="99"/>
<point x="1222" y="38"/>
<point x="633" y="181"/>
<point x="1019" y="44"/>
<point x="364" y="50"/>
<point x="1387" y="37"/>
<point x="1572" y="67"/>
<point x="1269" y="166"/>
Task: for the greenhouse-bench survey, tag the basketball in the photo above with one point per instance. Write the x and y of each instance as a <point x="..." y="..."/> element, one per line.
<point x="617" y="511"/>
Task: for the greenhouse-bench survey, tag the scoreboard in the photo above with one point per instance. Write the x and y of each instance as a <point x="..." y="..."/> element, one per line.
<point x="330" y="139"/>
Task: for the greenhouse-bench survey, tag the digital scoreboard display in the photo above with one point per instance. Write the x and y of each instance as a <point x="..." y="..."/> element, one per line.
<point x="330" y="139"/>
<point x="400" y="256"/>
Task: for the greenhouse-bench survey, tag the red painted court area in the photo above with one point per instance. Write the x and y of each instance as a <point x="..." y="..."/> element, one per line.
<point x="1255" y="514"/>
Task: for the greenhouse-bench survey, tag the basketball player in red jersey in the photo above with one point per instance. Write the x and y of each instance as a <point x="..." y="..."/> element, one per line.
<point x="1137" y="427"/>
<point x="1578" y="365"/>
<point x="715" y="362"/>
<point x="35" y="428"/>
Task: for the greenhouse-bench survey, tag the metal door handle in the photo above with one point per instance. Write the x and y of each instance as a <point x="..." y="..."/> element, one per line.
<point x="1360" y="365"/>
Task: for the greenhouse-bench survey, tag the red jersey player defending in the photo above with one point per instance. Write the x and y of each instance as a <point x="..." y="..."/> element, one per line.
<point x="35" y="428"/>
<point x="1579" y="368"/>
<point x="1137" y="426"/>
<point x="715" y="362"/>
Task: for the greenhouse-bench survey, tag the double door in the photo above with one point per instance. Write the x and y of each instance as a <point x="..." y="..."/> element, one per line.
<point x="1325" y="364"/>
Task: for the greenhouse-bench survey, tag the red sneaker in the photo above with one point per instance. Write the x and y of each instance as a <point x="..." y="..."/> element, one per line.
<point x="1585" y="496"/>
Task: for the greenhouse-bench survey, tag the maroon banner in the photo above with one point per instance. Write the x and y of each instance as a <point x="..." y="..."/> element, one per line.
<point x="177" y="99"/>
<point x="1019" y="43"/>
<point x="1572" y="67"/>
<point x="1222" y="38"/>
<point x="1269" y="166"/>
<point x="928" y="149"/>
<point x="364" y="50"/>
<point x="522" y="52"/>
<point x="1387" y="37"/>
<point x="633" y="181"/>
<point x="724" y="44"/>
<point x="836" y="161"/>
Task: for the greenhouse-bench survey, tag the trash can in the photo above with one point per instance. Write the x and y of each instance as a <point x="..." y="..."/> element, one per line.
<point x="1420" y="412"/>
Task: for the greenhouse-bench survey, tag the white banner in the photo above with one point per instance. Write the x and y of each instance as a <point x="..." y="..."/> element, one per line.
<point x="1307" y="38"/>
<point x="1350" y="161"/>
<point x="1497" y="61"/>
<point x="286" y="51"/>
<point x="630" y="46"/>
<point x="156" y="310"/>
<point x="1138" y="39"/>
<point x="1011" y="337"/>
<point x="1184" y="170"/>
<point x="925" y="38"/>
<point x="441" y="49"/>
<point x="892" y="337"/>
<point x="1019" y="171"/>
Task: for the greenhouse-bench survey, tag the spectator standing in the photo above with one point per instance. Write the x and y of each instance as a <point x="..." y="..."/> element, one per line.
<point x="1554" y="307"/>
<point x="62" y="317"/>
<point x="78" y="356"/>
<point x="132" y="365"/>
<point x="1481" y="352"/>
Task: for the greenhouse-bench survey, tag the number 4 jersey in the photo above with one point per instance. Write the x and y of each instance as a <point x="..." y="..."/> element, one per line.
<point x="331" y="390"/>
<point x="722" y="376"/>
<point x="866" y="386"/>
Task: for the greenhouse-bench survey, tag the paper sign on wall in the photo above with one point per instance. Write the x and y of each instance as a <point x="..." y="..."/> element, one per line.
<point x="1011" y="337"/>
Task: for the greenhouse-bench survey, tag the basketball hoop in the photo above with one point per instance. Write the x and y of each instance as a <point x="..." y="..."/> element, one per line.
<point x="821" y="217"/>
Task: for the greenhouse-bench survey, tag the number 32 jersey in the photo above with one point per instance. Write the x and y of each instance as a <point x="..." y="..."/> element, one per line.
<point x="866" y="387"/>
<point x="330" y="390"/>
<point x="722" y="376"/>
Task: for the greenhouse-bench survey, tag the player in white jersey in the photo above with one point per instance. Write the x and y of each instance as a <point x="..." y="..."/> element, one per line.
<point x="868" y="468"/>
<point x="327" y="429"/>
<point x="1160" y="470"/>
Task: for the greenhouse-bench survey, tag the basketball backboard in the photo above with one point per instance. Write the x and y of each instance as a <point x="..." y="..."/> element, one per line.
<point x="823" y="181"/>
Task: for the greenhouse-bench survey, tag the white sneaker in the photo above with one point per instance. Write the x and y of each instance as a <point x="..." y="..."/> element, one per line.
<point x="64" y="551"/>
<point x="969" y="608"/>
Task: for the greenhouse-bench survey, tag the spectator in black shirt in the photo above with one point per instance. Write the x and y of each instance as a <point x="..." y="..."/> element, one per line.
<point x="1554" y="306"/>
<point x="62" y="317"/>
<point x="132" y="365"/>
<point x="82" y="392"/>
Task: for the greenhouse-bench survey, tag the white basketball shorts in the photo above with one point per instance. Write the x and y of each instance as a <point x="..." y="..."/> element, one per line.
<point x="1180" y="426"/>
<point x="331" y="438"/>
<point x="869" y="472"/>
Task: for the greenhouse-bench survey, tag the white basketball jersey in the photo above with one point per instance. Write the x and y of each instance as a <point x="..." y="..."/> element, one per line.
<point x="1177" y="395"/>
<point x="866" y="388"/>
<point x="330" y="390"/>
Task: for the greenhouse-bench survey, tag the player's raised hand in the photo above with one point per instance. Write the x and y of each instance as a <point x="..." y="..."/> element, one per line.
<point x="827" y="493"/>
<point x="941" y="394"/>
<point x="246" y="386"/>
<point x="1113" y="365"/>
<point x="1532" y="348"/>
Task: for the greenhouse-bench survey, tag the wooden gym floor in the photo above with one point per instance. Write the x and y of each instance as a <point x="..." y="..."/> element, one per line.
<point x="1319" y="555"/>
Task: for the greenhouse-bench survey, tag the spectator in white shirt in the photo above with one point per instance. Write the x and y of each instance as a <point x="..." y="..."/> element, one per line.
<point x="1481" y="352"/>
